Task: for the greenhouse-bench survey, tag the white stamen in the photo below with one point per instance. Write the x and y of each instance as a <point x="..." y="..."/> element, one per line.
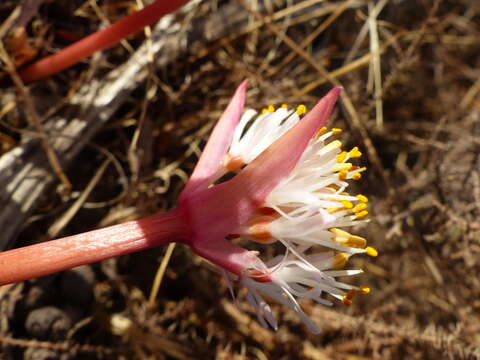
<point x="264" y="129"/>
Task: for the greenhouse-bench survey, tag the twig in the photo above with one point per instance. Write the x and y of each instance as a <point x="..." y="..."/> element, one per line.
<point x="159" y="275"/>
<point x="274" y="17"/>
<point x="377" y="72"/>
<point x="356" y="64"/>
<point x="35" y="122"/>
<point x="63" y="220"/>
<point x="313" y="35"/>
<point x="135" y="156"/>
<point x="470" y="95"/>
<point x="60" y="346"/>
<point x="20" y="16"/>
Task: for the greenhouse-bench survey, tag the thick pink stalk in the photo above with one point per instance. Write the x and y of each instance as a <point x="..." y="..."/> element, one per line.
<point x="57" y="255"/>
<point x="100" y="40"/>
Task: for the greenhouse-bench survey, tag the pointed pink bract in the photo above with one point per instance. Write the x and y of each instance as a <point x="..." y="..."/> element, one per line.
<point x="218" y="144"/>
<point x="228" y="256"/>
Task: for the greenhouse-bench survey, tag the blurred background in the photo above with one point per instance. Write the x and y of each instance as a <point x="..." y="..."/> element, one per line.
<point x="128" y="124"/>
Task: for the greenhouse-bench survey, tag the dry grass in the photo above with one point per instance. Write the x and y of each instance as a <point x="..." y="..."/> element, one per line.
<point x="410" y="70"/>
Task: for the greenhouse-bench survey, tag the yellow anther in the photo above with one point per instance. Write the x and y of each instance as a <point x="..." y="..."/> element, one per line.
<point x="343" y="166"/>
<point x="342" y="175"/>
<point x="335" y="144"/>
<point x="259" y="230"/>
<point x="284" y="106"/>
<point x="364" y="289"/>
<point x="271" y="108"/>
<point x="264" y="110"/>
<point x="351" y="242"/>
<point x="362" y="198"/>
<point x="334" y="210"/>
<point x="357" y="176"/>
<point x="336" y="131"/>
<point x="321" y="131"/>
<point x="301" y="109"/>
<point x="233" y="164"/>
<point x="340" y="240"/>
<point x="340" y="232"/>
<point x="346" y="301"/>
<point x="341" y="157"/>
<point x="361" y="214"/>
<point x="359" y="207"/>
<point x="345" y="193"/>
<point x="355" y="153"/>
<point x="340" y="260"/>
<point x="371" y="251"/>
<point x="347" y="204"/>
<point x="361" y="271"/>
<point x="345" y="238"/>
<point x="356" y="242"/>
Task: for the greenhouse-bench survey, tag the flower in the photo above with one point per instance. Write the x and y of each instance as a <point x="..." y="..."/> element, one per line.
<point x="303" y="208"/>
<point x="308" y="278"/>
<point x="289" y="186"/>
<point x="214" y="212"/>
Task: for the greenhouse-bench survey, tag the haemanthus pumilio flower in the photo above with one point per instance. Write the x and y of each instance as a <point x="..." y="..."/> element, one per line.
<point x="289" y="186"/>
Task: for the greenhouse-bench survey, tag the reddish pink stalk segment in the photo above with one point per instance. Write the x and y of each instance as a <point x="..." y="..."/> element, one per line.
<point x="99" y="40"/>
<point x="57" y="255"/>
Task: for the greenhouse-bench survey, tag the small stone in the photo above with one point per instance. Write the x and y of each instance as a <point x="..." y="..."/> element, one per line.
<point x="48" y="323"/>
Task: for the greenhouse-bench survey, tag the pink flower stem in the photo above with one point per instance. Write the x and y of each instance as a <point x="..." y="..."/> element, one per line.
<point x="99" y="40"/>
<point x="57" y="255"/>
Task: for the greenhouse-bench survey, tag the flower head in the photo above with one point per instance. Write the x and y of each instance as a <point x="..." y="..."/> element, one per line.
<point x="290" y="186"/>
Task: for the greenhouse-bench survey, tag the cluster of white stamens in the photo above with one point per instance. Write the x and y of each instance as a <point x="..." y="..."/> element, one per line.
<point x="309" y="278"/>
<point x="256" y="132"/>
<point x="303" y="211"/>
<point x="312" y="202"/>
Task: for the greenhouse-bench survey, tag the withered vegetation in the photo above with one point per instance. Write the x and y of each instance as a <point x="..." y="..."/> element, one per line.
<point x="411" y="74"/>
